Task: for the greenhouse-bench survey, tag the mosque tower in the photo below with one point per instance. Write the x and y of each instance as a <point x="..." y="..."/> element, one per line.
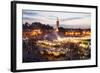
<point x="57" y="24"/>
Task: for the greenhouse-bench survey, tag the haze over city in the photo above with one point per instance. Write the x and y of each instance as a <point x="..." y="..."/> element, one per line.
<point x="56" y="36"/>
<point x="67" y="19"/>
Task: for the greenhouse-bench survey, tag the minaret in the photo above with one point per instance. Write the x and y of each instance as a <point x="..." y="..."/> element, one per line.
<point x="57" y="24"/>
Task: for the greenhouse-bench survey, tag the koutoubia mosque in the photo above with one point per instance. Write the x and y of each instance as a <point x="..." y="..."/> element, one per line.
<point x="57" y="24"/>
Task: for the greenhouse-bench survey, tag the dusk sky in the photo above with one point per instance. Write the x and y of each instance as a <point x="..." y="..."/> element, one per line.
<point x="67" y="19"/>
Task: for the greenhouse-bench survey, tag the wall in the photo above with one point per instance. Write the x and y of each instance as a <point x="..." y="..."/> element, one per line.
<point x="5" y="36"/>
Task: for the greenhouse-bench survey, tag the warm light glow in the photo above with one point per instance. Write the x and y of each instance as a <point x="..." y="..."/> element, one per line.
<point x="36" y="32"/>
<point x="74" y="33"/>
<point x="86" y="33"/>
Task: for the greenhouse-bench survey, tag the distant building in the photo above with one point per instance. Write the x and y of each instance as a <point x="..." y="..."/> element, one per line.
<point x="57" y="24"/>
<point x="54" y="34"/>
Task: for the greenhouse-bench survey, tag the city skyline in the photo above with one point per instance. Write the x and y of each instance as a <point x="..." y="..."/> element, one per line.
<point x="66" y="19"/>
